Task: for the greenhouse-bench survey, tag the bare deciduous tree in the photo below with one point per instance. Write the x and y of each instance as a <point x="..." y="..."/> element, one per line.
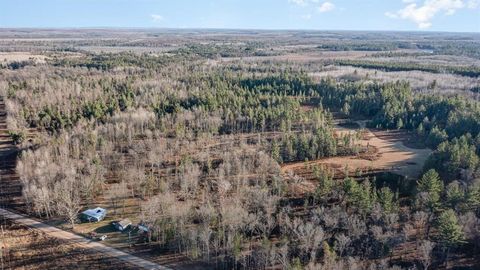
<point x="118" y="193"/>
<point x="425" y="250"/>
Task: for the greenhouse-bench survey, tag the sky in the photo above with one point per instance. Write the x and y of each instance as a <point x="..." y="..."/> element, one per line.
<point x="394" y="15"/>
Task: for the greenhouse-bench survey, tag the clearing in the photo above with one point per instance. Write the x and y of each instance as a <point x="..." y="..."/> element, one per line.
<point x="21" y="56"/>
<point x="389" y="153"/>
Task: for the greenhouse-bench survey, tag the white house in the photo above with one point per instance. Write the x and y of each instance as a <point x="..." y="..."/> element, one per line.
<point x="93" y="215"/>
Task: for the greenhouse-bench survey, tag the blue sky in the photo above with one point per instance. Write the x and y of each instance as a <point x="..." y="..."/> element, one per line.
<point x="432" y="15"/>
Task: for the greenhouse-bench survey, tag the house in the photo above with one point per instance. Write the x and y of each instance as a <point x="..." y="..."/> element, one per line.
<point x="93" y="215"/>
<point x="122" y="224"/>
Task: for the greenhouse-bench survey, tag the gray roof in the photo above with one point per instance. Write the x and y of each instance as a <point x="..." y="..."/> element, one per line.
<point x="96" y="212"/>
<point x="124" y="222"/>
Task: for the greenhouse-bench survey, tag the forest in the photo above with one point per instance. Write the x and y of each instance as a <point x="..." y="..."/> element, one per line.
<point x="235" y="158"/>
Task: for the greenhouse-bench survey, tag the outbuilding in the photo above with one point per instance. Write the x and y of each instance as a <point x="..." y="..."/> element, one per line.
<point x="122" y="224"/>
<point x="143" y="227"/>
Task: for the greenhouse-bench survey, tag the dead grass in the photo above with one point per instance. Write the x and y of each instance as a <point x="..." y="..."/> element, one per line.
<point x="419" y="80"/>
<point x="116" y="239"/>
<point x="386" y="151"/>
<point x="304" y="57"/>
<point x="7" y="57"/>
<point x="24" y="248"/>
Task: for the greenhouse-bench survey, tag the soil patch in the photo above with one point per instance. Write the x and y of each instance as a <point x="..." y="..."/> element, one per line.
<point x="385" y="151"/>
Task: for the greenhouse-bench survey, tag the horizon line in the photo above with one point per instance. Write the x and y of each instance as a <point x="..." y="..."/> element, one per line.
<point x="227" y="29"/>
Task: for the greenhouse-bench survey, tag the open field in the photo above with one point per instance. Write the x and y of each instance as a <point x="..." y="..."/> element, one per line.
<point x="386" y="151"/>
<point x="21" y="56"/>
<point x="448" y="84"/>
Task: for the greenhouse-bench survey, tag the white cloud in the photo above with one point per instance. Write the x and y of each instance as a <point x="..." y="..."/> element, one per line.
<point x="423" y="14"/>
<point x="321" y="6"/>
<point x="424" y="25"/>
<point x="325" y="7"/>
<point x="156" y="18"/>
<point x="473" y="4"/>
<point x="299" y="2"/>
<point x="303" y="3"/>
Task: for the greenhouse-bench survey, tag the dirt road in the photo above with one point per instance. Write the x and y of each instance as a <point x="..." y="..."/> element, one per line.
<point x="81" y="241"/>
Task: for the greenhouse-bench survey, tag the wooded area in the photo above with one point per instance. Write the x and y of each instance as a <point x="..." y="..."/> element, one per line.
<point x="197" y="139"/>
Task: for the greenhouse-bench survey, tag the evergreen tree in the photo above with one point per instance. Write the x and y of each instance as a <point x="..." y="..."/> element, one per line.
<point x="473" y="197"/>
<point x="454" y="194"/>
<point x="431" y="184"/>
<point x="450" y="232"/>
<point x="386" y="199"/>
<point x="276" y="152"/>
<point x="436" y="137"/>
<point x="325" y="182"/>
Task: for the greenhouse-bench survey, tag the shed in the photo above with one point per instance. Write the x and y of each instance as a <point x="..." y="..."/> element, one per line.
<point x="122" y="224"/>
<point x="143" y="227"/>
<point x="93" y="215"/>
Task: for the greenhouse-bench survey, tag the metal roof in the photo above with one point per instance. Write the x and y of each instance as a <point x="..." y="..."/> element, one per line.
<point x="124" y="222"/>
<point x="96" y="212"/>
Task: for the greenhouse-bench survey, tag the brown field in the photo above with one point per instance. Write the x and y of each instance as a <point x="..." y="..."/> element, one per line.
<point x="451" y="60"/>
<point x="303" y="57"/>
<point x="21" y="56"/>
<point x="419" y="80"/>
<point x="389" y="153"/>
